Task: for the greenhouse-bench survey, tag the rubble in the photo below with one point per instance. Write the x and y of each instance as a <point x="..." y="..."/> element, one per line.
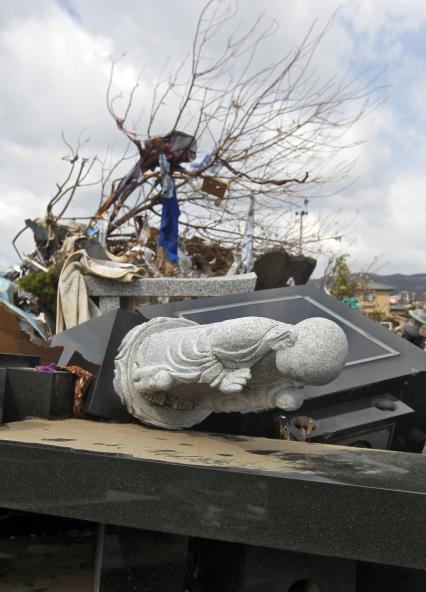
<point x="121" y="235"/>
<point x="14" y="340"/>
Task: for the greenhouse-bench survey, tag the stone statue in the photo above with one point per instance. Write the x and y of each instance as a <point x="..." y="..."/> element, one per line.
<point x="413" y="331"/>
<point x="172" y="372"/>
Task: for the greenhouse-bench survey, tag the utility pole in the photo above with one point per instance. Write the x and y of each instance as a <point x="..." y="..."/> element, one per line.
<point x="247" y="241"/>
<point x="301" y="214"/>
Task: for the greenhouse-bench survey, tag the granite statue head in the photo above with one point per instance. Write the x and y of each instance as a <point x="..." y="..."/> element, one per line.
<point x="314" y="353"/>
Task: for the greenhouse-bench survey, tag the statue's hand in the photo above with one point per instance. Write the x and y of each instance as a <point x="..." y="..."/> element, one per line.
<point x="234" y="380"/>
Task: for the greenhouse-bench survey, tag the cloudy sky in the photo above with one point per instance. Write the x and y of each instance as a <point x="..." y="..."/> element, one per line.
<point x="55" y="61"/>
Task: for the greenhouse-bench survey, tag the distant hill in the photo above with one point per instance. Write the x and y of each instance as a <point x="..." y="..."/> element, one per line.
<point x="412" y="283"/>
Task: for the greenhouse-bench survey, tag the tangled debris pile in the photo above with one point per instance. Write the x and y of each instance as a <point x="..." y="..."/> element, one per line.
<point x="100" y="247"/>
<point x="160" y="163"/>
<point x="118" y="242"/>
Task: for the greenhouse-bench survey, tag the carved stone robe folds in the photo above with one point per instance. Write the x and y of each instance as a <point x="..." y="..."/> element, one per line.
<point x="200" y="353"/>
<point x="172" y="372"/>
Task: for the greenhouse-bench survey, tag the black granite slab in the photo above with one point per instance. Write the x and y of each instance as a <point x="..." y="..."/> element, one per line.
<point x="93" y="346"/>
<point x="29" y="393"/>
<point x="342" y="502"/>
<point x="275" y="268"/>
<point x="18" y="360"/>
<point x="368" y="422"/>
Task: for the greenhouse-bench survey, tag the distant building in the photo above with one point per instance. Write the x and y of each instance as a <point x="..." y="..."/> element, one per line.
<point x="374" y="298"/>
<point x="400" y="304"/>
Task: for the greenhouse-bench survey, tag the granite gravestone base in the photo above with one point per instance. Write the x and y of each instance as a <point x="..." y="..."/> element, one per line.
<point x="93" y="346"/>
<point x="28" y="393"/>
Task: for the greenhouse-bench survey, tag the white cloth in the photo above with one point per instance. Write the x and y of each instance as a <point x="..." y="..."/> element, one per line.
<point x="73" y="303"/>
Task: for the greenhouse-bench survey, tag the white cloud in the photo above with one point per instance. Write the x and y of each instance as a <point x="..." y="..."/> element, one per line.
<point x="55" y="65"/>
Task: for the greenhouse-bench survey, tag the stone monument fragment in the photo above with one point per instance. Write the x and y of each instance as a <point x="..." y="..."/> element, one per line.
<point x="172" y="373"/>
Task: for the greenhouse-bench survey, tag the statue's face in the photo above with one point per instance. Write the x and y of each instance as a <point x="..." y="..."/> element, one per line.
<point x="289" y="364"/>
<point x="312" y="359"/>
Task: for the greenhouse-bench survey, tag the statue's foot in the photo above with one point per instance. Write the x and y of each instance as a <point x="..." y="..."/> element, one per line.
<point x="141" y="378"/>
<point x="181" y="404"/>
<point x="156" y="398"/>
<point x="234" y="380"/>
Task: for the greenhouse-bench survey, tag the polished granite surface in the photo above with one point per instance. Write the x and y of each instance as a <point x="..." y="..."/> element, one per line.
<point x="284" y="459"/>
<point x="344" y="502"/>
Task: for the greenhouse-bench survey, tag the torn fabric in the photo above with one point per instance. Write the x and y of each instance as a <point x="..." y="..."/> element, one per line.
<point x="73" y="303"/>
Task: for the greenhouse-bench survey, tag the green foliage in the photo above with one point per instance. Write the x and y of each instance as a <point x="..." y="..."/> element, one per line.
<point x="352" y="302"/>
<point x="343" y="285"/>
<point x="42" y="285"/>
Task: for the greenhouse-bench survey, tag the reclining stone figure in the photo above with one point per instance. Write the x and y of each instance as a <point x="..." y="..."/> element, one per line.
<point x="172" y="372"/>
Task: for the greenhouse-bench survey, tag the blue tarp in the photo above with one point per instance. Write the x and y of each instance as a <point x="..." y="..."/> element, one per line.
<point x="169" y="229"/>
